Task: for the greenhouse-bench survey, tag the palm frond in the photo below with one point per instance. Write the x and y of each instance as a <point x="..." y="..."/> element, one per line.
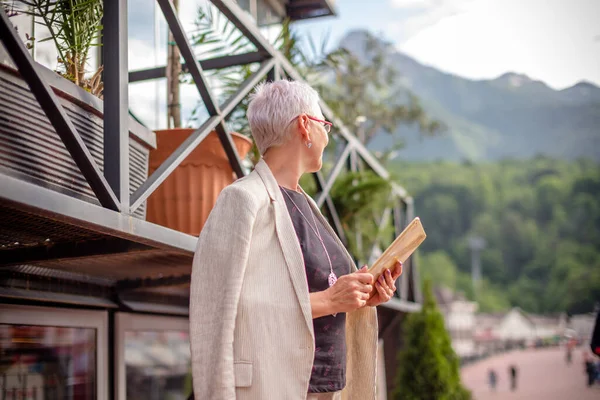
<point x="74" y="26"/>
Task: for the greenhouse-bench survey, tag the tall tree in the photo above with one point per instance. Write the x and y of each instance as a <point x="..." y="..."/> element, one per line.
<point x="368" y="88"/>
<point x="173" y="76"/>
<point x="428" y="367"/>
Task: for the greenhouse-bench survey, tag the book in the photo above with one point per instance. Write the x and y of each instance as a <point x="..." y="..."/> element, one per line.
<point x="400" y="249"/>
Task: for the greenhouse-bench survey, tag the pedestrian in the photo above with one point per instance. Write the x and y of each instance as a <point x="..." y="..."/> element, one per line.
<point x="590" y="368"/>
<point x="513" y="377"/>
<point x="492" y="379"/>
<point x="570" y="346"/>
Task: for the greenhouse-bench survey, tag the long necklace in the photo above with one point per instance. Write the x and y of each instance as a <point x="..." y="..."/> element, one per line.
<point x="332" y="277"/>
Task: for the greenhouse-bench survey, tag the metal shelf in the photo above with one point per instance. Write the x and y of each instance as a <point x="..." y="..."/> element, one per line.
<point x="42" y="227"/>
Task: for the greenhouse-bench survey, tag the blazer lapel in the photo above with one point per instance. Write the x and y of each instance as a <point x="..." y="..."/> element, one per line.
<point x="288" y="241"/>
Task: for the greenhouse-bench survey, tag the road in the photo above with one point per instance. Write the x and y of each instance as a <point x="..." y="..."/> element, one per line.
<point x="543" y="374"/>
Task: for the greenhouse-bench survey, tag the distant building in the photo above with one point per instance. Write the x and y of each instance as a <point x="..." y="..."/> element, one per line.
<point x="459" y="317"/>
<point x="487" y="340"/>
<point x="516" y="328"/>
<point x="477" y="334"/>
<point x="581" y="326"/>
<point x="550" y="326"/>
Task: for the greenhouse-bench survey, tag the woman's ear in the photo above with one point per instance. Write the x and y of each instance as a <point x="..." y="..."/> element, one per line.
<point x="303" y="127"/>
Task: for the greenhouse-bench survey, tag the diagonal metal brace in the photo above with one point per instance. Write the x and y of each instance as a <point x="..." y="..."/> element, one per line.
<point x="337" y="223"/>
<point x="335" y="172"/>
<point x="188" y="55"/>
<point x="195" y="138"/>
<point x="169" y="165"/>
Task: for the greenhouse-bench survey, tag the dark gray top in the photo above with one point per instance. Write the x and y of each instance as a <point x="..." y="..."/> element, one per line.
<point x="329" y="367"/>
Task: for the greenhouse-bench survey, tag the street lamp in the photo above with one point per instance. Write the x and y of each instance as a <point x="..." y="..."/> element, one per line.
<point x="359" y="122"/>
<point x="476" y="244"/>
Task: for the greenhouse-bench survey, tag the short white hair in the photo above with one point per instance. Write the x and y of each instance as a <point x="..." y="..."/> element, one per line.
<point x="273" y="105"/>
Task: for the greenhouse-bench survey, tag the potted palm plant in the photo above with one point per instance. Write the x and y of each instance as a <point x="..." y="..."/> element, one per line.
<point x="184" y="200"/>
<point x="187" y="196"/>
<point x="31" y="149"/>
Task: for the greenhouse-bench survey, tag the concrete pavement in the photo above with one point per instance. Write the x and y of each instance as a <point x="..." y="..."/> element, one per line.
<point x="543" y="374"/>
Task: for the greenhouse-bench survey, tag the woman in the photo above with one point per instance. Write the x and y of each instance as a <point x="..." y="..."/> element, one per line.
<point x="277" y="309"/>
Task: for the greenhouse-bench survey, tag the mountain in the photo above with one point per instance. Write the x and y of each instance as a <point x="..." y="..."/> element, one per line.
<point x="512" y="116"/>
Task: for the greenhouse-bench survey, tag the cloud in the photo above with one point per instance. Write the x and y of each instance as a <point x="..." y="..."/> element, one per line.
<point x="424" y="13"/>
<point x="548" y="40"/>
<point x="412" y="3"/>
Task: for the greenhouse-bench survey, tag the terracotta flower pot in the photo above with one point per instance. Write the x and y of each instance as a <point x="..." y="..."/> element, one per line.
<point x="184" y="200"/>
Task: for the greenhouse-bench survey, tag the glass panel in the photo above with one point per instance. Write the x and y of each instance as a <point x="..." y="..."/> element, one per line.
<point x="157" y="365"/>
<point x="266" y="15"/>
<point x="47" y="362"/>
<point x="147" y="34"/>
<point x="244" y="4"/>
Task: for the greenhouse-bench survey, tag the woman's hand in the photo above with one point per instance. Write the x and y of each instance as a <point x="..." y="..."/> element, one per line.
<point x="349" y="293"/>
<point x="385" y="286"/>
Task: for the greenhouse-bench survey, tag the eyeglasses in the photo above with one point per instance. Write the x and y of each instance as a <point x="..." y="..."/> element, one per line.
<point x="326" y="124"/>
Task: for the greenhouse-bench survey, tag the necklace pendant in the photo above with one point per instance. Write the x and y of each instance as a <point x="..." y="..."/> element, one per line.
<point x="332" y="279"/>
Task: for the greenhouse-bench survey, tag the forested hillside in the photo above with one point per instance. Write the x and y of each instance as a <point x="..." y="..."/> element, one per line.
<point x="512" y="116"/>
<point x="540" y="219"/>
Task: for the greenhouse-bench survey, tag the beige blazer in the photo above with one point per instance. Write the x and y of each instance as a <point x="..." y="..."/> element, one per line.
<point x="251" y="325"/>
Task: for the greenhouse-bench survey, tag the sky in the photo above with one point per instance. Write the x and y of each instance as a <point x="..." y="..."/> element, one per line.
<point x="555" y="41"/>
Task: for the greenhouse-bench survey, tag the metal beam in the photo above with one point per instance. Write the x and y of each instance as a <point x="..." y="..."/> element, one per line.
<point x="397" y="317"/>
<point x="188" y="145"/>
<point x="380" y="226"/>
<point x="56" y="114"/>
<point x="413" y="279"/>
<point x="246" y="87"/>
<point x="275" y="73"/>
<point x="397" y="220"/>
<point x="132" y="284"/>
<point x="230" y="149"/>
<point x="54" y="297"/>
<point x="206" y="65"/>
<point x="224" y="136"/>
<point x="243" y="22"/>
<point x="201" y="84"/>
<point x="116" y="100"/>
<point x="402" y="305"/>
<point x="184" y="149"/>
<point x="404" y="284"/>
<point x="188" y="55"/>
<point x="278" y="7"/>
<point x="354" y="168"/>
<point x="337" y="168"/>
<point x="397" y="215"/>
<point x="60" y="207"/>
<point x="70" y="251"/>
<point x="337" y="223"/>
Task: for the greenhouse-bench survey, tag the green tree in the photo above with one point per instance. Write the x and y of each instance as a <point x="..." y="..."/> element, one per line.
<point x="438" y="267"/>
<point x="368" y="87"/>
<point x="540" y="219"/>
<point x="428" y="367"/>
<point x="75" y="26"/>
<point x="357" y="197"/>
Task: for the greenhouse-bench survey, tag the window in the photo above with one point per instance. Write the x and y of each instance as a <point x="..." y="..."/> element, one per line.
<point x="266" y="14"/>
<point x="45" y="356"/>
<point x="244" y="4"/>
<point x="153" y="355"/>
